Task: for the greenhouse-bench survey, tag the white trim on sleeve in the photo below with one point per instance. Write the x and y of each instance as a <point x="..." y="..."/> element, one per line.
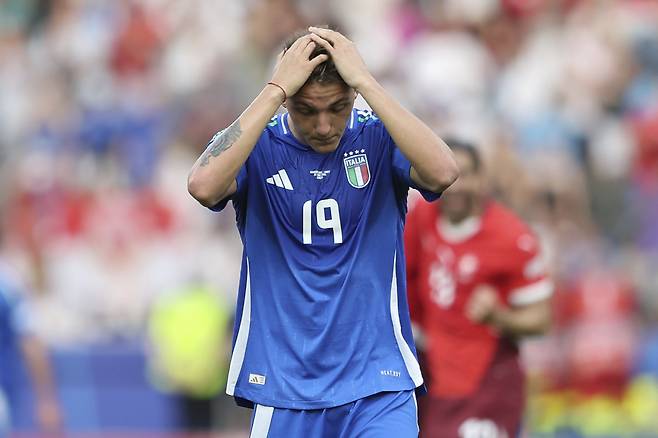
<point x="532" y="293"/>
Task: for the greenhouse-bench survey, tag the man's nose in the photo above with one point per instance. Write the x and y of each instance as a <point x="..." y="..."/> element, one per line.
<point x="323" y="124"/>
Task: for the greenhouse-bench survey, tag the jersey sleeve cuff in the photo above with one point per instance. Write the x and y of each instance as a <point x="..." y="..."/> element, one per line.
<point x="531" y="293"/>
<point x="221" y="205"/>
<point x="429" y="196"/>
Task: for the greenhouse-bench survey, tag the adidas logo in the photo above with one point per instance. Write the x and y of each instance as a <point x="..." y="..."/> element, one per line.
<point x="280" y="179"/>
<point x="256" y="379"/>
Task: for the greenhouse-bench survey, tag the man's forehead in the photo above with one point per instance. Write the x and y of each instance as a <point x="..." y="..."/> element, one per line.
<point x="320" y="95"/>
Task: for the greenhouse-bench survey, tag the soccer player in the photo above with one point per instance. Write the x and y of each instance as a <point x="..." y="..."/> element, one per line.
<point x="323" y="343"/>
<point x="477" y="284"/>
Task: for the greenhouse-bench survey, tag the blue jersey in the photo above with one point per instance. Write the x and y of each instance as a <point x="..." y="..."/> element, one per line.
<point x="322" y="316"/>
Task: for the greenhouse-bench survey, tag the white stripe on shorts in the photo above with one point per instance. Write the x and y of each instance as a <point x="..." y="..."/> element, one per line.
<point x="262" y="420"/>
<point x="413" y="394"/>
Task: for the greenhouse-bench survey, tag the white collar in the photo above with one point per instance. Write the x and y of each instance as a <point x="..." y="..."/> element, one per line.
<point x="459" y="232"/>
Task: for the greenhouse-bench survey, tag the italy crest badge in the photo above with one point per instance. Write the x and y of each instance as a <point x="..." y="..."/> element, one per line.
<point x="356" y="168"/>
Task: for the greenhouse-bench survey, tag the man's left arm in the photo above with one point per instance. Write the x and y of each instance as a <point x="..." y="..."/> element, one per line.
<point x="35" y="357"/>
<point x="41" y="374"/>
<point x="526" y="320"/>
<point x="433" y="165"/>
<point x="522" y="304"/>
<point x="533" y="318"/>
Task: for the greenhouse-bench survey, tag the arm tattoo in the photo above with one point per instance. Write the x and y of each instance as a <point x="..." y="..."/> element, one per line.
<point x="223" y="140"/>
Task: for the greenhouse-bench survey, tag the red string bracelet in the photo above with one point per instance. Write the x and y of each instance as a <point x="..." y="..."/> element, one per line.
<point x="285" y="95"/>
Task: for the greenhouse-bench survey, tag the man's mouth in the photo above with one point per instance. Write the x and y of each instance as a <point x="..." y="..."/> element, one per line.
<point x="324" y="140"/>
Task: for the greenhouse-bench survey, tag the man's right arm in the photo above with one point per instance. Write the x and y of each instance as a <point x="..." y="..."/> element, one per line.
<point x="212" y="177"/>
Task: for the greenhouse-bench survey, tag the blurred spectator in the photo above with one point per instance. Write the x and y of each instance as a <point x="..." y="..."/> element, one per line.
<point x="18" y="345"/>
<point x="189" y="333"/>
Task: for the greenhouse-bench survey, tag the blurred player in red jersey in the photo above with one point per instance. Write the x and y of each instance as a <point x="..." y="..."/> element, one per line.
<point x="476" y="285"/>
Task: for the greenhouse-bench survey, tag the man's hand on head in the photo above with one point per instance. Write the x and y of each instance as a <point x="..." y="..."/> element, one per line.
<point x="294" y="66"/>
<point x="345" y="56"/>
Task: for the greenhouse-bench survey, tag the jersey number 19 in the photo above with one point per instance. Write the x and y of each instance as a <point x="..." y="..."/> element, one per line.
<point x="325" y="222"/>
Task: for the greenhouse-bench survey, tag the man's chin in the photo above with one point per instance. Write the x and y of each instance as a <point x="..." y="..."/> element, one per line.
<point x="455" y="209"/>
<point x="325" y="147"/>
<point x="455" y="217"/>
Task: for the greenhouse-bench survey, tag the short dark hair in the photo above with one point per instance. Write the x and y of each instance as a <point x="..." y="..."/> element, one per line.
<point x="325" y="73"/>
<point x="469" y="149"/>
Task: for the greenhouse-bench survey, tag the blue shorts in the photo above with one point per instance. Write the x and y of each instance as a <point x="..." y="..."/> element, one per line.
<point x="382" y="415"/>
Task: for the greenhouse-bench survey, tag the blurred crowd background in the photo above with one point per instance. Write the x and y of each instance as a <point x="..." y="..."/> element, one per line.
<point x="105" y="105"/>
